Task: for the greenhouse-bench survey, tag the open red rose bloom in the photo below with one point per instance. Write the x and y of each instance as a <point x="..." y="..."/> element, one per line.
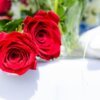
<point x="43" y="28"/>
<point x="41" y="38"/>
<point x="17" y="53"/>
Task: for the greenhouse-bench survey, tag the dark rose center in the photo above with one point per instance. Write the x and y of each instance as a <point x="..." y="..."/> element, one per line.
<point x="41" y="35"/>
<point x="14" y="55"/>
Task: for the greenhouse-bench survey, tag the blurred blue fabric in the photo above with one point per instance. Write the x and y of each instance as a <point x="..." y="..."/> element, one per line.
<point x="84" y="27"/>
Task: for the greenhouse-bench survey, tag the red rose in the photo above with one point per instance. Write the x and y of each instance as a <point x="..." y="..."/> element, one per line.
<point x="43" y="28"/>
<point x="17" y="53"/>
<point x="5" y="6"/>
<point x="2" y="36"/>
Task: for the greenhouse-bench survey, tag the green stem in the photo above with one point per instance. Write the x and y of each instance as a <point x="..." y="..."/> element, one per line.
<point x="55" y="9"/>
<point x="60" y="28"/>
<point x="37" y="4"/>
<point x="56" y="6"/>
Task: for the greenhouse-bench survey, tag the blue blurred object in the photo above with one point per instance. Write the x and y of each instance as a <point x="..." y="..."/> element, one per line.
<point x="84" y="27"/>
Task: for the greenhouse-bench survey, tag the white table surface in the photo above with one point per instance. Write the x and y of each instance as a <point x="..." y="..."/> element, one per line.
<point x="70" y="79"/>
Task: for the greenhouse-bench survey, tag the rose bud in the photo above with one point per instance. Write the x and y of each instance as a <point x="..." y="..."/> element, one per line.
<point x="43" y="28"/>
<point x="5" y="6"/>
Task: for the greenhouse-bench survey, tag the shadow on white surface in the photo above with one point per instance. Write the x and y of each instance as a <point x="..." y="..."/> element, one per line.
<point x="93" y="64"/>
<point x="91" y="83"/>
<point x="24" y="87"/>
<point x="42" y="63"/>
<point x="54" y="80"/>
<point x="18" y="87"/>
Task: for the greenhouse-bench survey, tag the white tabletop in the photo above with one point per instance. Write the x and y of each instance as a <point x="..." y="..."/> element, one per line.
<point x="69" y="79"/>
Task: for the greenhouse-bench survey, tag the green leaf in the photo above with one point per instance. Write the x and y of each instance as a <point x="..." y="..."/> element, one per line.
<point x="12" y="25"/>
<point x="25" y="13"/>
<point x="2" y="23"/>
<point x="61" y="11"/>
<point x="61" y="1"/>
<point x="69" y="3"/>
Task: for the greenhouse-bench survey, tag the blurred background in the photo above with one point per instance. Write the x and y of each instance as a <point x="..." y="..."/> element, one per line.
<point x="91" y="15"/>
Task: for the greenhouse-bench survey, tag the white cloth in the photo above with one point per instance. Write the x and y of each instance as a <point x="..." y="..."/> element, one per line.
<point x="77" y="79"/>
<point x="90" y="42"/>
